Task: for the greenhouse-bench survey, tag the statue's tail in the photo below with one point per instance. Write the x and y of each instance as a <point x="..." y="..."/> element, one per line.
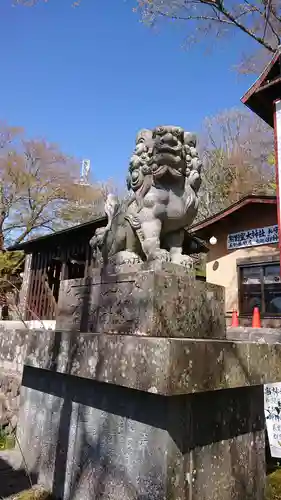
<point x="111" y="208"/>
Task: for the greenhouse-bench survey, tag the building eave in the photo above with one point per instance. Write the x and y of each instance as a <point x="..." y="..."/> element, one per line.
<point x="247" y="200"/>
<point x="260" y="97"/>
<point x="29" y="245"/>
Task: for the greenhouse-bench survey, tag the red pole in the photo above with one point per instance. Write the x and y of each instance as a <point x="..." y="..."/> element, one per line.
<point x="277" y="148"/>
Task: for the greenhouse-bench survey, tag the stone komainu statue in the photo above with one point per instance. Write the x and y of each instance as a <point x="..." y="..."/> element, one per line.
<point x="163" y="182"/>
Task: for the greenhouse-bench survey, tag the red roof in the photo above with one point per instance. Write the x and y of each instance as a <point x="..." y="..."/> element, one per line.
<point x="246" y="200"/>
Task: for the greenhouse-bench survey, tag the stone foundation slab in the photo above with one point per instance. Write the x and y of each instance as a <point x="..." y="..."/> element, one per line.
<point x="159" y="365"/>
<point x="90" y="440"/>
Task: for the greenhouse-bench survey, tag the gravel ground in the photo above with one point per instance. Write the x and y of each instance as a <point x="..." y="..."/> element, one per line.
<point x="35" y="493"/>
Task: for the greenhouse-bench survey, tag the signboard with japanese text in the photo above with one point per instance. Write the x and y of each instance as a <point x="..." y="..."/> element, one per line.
<point x="253" y="237"/>
<point x="272" y="411"/>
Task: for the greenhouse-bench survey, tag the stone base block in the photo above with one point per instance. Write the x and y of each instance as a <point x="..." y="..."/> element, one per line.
<point x="89" y="440"/>
<point x="9" y="399"/>
<point x="158" y="365"/>
<point x="139" y="418"/>
<point x="166" y="303"/>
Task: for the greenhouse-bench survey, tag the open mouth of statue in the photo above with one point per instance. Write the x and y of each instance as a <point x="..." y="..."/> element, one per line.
<point x="164" y="157"/>
<point x="165" y="149"/>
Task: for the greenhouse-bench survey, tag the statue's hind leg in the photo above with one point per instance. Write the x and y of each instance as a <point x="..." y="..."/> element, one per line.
<point x="133" y="243"/>
<point x="151" y="230"/>
<point x="174" y="243"/>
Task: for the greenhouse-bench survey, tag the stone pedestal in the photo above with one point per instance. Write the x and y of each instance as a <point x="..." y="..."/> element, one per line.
<point x="164" y="303"/>
<point x="155" y="414"/>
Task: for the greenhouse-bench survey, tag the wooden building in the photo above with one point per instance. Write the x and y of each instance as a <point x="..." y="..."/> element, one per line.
<point x="49" y="259"/>
<point x="244" y="257"/>
<point x="59" y="256"/>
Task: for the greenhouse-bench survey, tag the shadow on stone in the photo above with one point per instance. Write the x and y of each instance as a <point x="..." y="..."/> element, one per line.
<point x="60" y="466"/>
<point x="12" y="480"/>
<point x="204" y="426"/>
<point x="230" y="413"/>
<point x="61" y="450"/>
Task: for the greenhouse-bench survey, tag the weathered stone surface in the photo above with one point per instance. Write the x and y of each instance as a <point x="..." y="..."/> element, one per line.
<point x="156" y="414"/>
<point x="10" y="384"/>
<point x="262" y="335"/>
<point x="91" y="440"/>
<point x="13" y="347"/>
<point x="166" y="303"/>
<point x="158" y="365"/>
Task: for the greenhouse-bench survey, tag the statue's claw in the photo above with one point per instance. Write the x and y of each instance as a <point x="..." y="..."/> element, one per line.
<point x="183" y="260"/>
<point x="159" y="255"/>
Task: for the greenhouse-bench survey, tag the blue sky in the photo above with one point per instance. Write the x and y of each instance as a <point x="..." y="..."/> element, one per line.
<point x="88" y="78"/>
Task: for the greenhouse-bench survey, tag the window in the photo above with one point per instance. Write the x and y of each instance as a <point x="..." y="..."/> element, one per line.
<point x="260" y="285"/>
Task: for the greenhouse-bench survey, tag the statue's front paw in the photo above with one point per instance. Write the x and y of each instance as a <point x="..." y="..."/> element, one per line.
<point x="126" y="257"/>
<point x="186" y="261"/>
<point x="160" y="255"/>
<point x="183" y="260"/>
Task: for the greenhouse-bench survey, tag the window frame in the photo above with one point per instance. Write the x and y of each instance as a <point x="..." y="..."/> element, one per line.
<point x="262" y="264"/>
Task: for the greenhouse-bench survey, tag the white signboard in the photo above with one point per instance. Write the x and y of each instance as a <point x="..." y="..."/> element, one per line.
<point x="253" y="237"/>
<point x="272" y="411"/>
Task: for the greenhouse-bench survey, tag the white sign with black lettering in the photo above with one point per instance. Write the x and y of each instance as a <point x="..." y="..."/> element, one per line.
<point x="253" y="237"/>
<point x="272" y="411"/>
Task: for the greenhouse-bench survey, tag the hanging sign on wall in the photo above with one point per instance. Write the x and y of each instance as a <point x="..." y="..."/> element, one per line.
<point x="253" y="237"/>
<point x="272" y="411"/>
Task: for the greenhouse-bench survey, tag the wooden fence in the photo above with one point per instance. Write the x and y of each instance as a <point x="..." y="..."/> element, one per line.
<point x="48" y="268"/>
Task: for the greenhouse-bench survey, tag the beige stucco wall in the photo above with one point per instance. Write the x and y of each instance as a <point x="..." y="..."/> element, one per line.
<point x="222" y="263"/>
<point x="223" y="271"/>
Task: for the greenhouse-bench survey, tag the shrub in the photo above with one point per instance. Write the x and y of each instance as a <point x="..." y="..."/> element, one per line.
<point x="273" y="486"/>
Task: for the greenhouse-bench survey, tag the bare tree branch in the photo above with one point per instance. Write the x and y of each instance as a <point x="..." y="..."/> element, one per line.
<point x="236" y="149"/>
<point x="259" y="20"/>
<point x="40" y="189"/>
